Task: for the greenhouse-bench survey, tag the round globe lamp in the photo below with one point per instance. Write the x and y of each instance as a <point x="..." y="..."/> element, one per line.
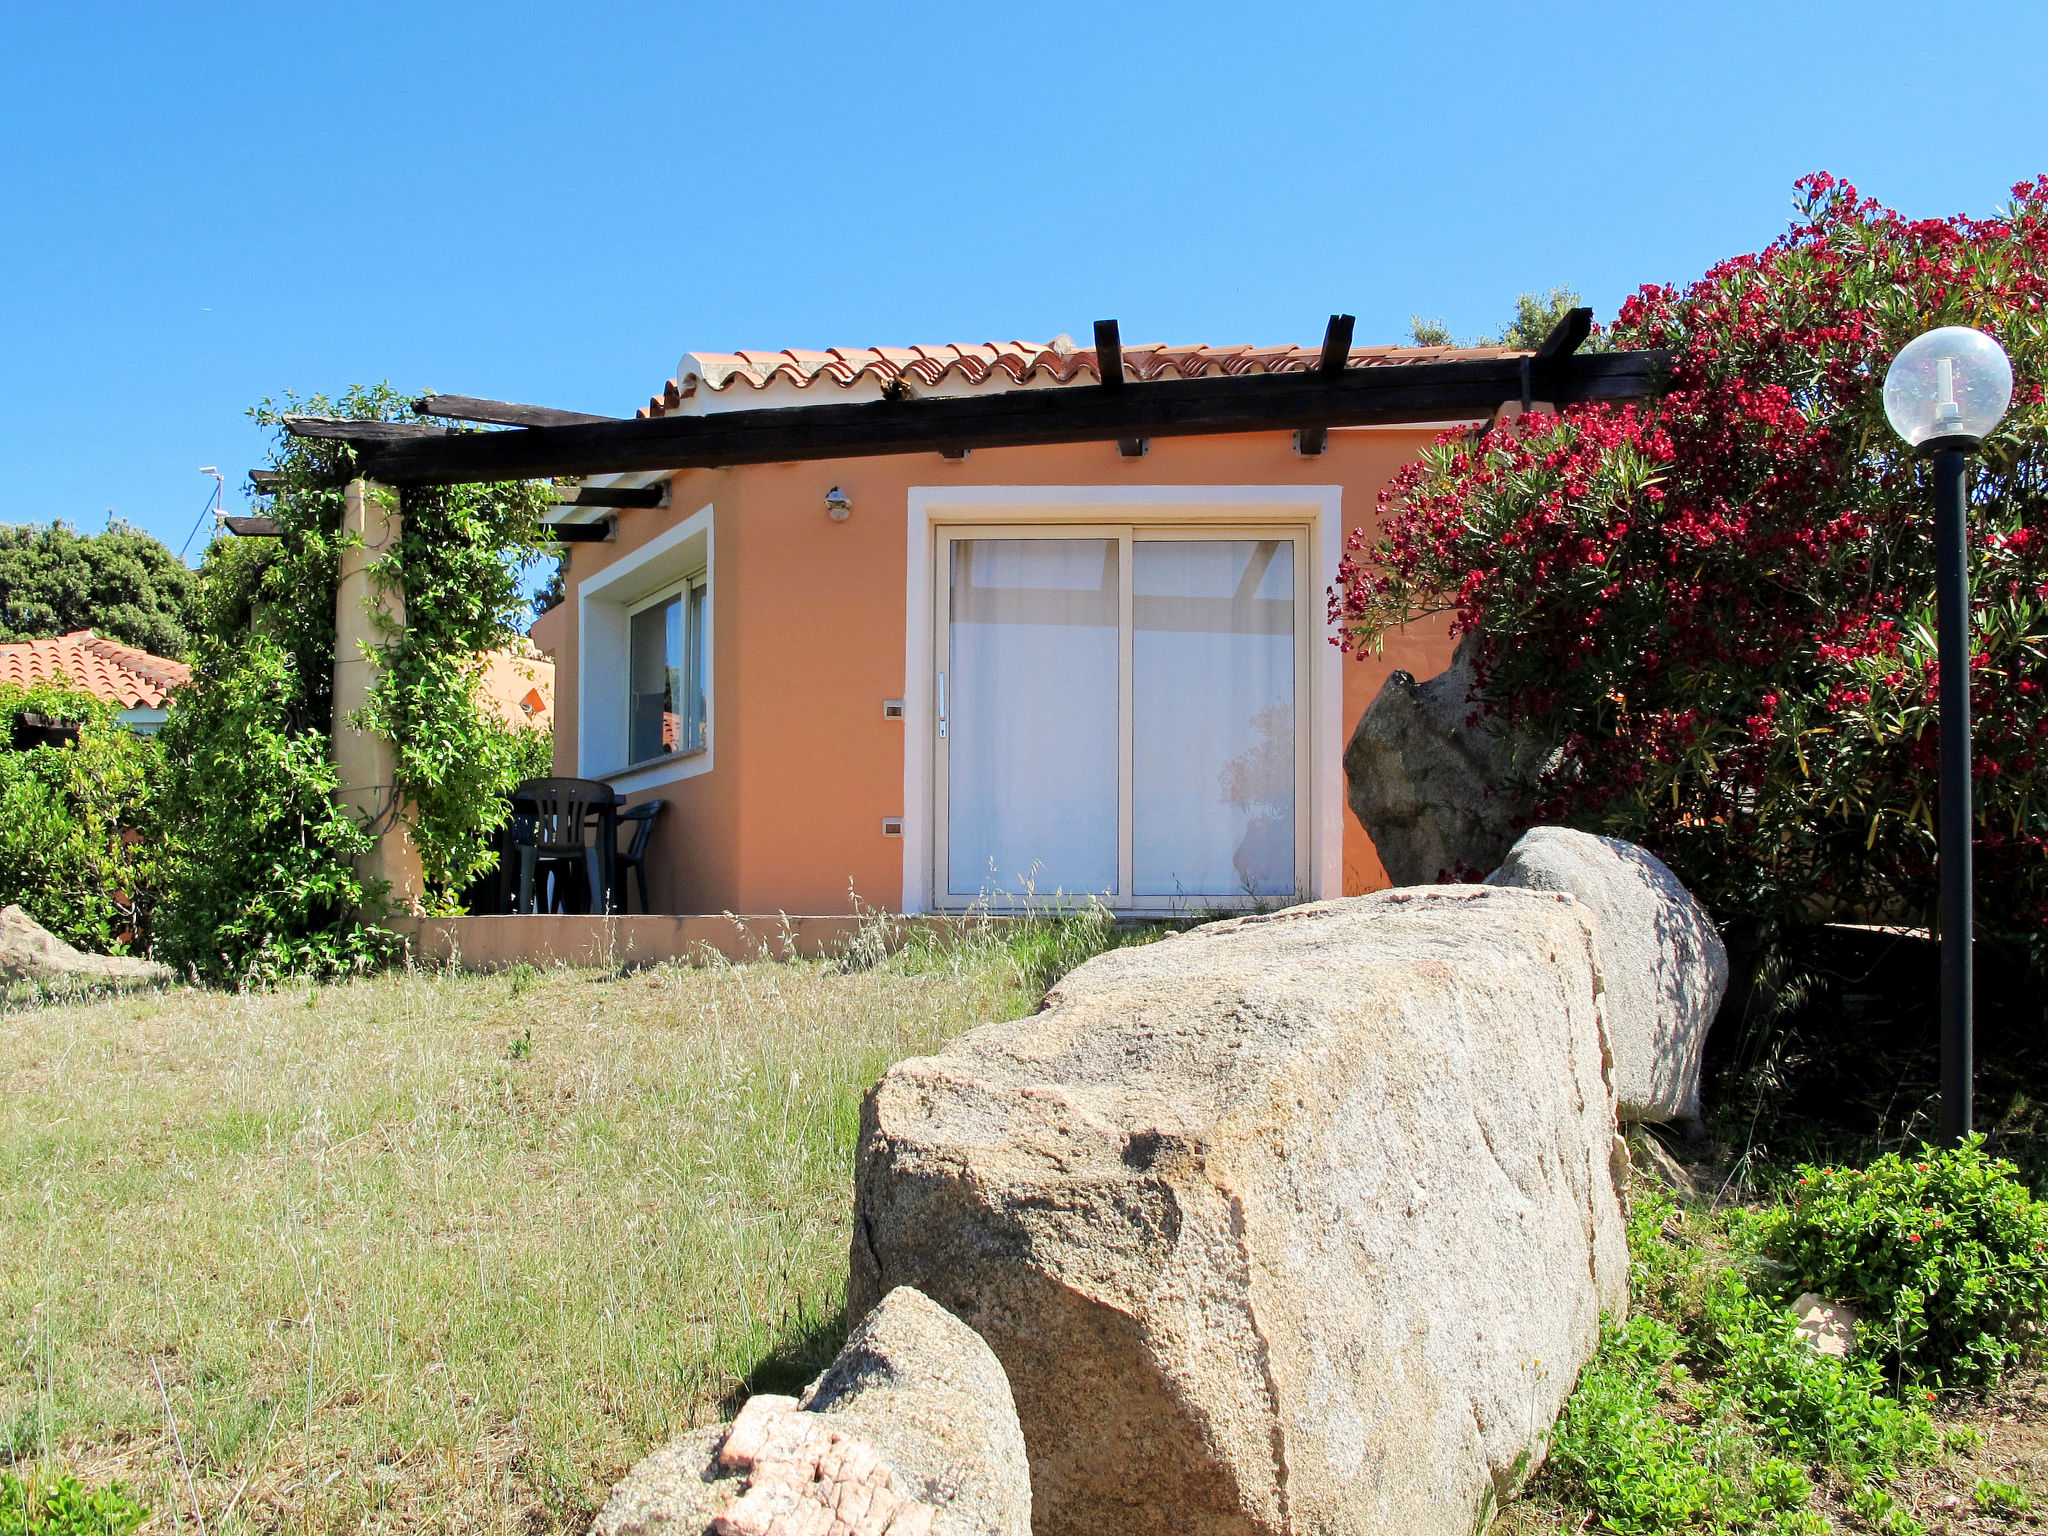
<point x="1944" y="394"/>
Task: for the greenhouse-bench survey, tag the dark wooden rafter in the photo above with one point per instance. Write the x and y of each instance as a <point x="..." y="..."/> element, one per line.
<point x="265" y="481"/>
<point x="603" y="531"/>
<point x="1109" y="354"/>
<point x="1310" y="441"/>
<point x="613" y="496"/>
<point x="1383" y="394"/>
<point x="500" y="412"/>
<point x="1565" y="338"/>
<point x="363" y="431"/>
<point x="1109" y="368"/>
<point x="252" y="527"/>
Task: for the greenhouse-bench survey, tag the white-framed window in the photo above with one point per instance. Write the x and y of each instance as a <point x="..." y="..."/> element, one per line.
<point x="665" y="674"/>
<point x="646" y="673"/>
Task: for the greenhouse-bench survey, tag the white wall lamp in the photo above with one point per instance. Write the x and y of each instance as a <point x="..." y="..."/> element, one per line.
<point x="838" y="505"/>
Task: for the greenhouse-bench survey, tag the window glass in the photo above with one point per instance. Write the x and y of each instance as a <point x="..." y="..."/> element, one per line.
<point x="1213" y="696"/>
<point x="1032" y="717"/>
<point x="666" y="676"/>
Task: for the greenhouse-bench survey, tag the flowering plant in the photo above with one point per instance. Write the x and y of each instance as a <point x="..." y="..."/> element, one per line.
<point x="1721" y="605"/>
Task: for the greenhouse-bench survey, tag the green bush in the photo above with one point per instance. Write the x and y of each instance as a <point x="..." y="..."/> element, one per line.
<point x="1946" y="1253"/>
<point x="65" y="1507"/>
<point x="257" y="880"/>
<point x="259" y="876"/>
<point x="1704" y="1411"/>
<point x="71" y="819"/>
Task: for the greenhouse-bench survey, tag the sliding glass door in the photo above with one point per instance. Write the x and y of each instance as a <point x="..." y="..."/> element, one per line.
<point x="1117" y="716"/>
<point x="1028" y="715"/>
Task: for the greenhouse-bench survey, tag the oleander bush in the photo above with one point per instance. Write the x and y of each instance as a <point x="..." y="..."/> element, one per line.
<point x="1945" y="1252"/>
<point x="1721" y="604"/>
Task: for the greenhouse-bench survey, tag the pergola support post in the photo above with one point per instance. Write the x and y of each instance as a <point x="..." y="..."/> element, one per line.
<point x="369" y="612"/>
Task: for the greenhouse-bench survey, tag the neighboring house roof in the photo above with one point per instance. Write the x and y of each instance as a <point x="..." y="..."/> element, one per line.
<point x="706" y="382"/>
<point x="106" y="669"/>
<point x="519" y="686"/>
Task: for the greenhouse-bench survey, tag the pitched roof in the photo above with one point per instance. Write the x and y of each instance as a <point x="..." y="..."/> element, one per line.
<point x="703" y="377"/>
<point x="106" y="669"/>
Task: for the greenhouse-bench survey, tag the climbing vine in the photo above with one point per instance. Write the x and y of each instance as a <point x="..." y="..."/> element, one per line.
<point x="259" y="876"/>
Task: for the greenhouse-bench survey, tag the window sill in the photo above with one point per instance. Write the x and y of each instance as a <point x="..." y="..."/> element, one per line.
<point x="658" y="770"/>
<point x="663" y="761"/>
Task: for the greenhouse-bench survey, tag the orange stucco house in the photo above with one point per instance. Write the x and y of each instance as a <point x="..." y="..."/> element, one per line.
<point x="928" y="681"/>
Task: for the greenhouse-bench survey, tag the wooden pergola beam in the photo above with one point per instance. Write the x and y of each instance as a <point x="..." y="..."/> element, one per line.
<point x="1310" y="441"/>
<point x="501" y="413"/>
<point x="353" y="431"/>
<point x="614" y="496"/>
<point x="1388" y="394"/>
<point x="603" y="531"/>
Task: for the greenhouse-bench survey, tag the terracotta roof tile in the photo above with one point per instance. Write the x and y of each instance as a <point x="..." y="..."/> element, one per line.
<point x="1012" y="364"/>
<point x="106" y="669"/>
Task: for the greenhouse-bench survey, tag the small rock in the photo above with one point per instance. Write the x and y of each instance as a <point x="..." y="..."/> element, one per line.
<point x="1651" y="1156"/>
<point x="30" y="952"/>
<point x="1829" y="1326"/>
<point x="910" y="1432"/>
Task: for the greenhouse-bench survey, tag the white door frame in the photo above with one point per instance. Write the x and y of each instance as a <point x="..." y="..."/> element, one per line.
<point x="1320" y="507"/>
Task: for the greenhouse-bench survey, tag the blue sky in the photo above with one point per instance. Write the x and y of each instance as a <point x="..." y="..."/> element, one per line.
<point x="204" y="205"/>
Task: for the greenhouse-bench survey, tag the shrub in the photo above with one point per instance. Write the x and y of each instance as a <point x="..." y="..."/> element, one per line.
<point x="1705" y="1412"/>
<point x="65" y="1507"/>
<point x="70" y="817"/>
<point x="257" y="880"/>
<point x="1722" y="604"/>
<point x="259" y="876"/>
<point x="1946" y="1251"/>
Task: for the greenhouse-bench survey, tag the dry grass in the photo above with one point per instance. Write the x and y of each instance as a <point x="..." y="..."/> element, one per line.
<point x="433" y="1251"/>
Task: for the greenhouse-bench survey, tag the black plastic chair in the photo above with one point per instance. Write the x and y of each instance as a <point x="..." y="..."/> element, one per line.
<point x="562" y="812"/>
<point x="634" y="857"/>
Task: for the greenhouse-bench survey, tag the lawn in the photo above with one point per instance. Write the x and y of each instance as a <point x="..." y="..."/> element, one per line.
<point x="431" y="1250"/>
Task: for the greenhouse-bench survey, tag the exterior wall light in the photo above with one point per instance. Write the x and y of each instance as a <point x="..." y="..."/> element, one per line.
<point x="838" y="505"/>
<point x="1944" y="393"/>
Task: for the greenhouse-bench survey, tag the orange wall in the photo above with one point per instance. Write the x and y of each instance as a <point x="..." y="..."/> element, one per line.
<point x="808" y="640"/>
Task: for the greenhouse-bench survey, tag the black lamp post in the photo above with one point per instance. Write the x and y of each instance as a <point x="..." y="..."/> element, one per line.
<point x="1943" y="393"/>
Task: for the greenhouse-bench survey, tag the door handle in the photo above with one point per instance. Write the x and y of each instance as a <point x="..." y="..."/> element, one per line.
<point x="942" y="706"/>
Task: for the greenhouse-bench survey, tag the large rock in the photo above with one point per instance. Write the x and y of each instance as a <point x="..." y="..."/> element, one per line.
<point x="30" y="952"/>
<point x="1435" y="784"/>
<point x="1294" y="1223"/>
<point x="911" y="1429"/>
<point x="1662" y="960"/>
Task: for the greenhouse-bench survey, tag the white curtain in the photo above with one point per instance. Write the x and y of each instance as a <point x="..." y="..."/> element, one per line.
<point x="1032" y="718"/>
<point x="1213" y="717"/>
